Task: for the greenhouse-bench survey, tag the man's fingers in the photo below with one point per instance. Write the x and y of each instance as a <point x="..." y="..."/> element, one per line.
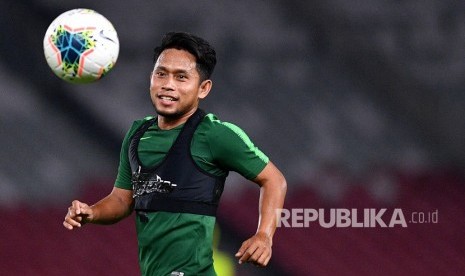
<point x="244" y="253"/>
<point x="254" y="250"/>
<point x="257" y="254"/>
<point x="264" y="258"/>
<point x="249" y="252"/>
<point x="76" y="214"/>
<point x="70" y="223"/>
<point x="79" y="209"/>
<point x="71" y="212"/>
<point x="245" y="257"/>
<point x="242" y="249"/>
<point x="76" y="206"/>
<point x="260" y="256"/>
<point x="67" y="225"/>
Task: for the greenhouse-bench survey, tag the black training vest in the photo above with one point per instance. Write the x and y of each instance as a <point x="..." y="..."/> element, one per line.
<point x="176" y="184"/>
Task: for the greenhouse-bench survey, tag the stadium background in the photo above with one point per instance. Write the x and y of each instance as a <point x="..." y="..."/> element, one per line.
<point x="360" y="103"/>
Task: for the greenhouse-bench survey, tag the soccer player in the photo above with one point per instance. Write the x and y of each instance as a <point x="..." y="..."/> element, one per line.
<point x="173" y="168"/>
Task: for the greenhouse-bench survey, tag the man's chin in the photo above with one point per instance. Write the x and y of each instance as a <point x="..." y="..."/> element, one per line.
<point x="167" y="113"/>
<point x="174" y="113"/>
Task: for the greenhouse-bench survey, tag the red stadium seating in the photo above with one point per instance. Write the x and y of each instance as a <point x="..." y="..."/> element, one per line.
<point x="418" y="249"/>
<point x="35" y="242"/>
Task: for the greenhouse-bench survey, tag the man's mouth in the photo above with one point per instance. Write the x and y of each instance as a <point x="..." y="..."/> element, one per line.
<point x="167" y="98"/>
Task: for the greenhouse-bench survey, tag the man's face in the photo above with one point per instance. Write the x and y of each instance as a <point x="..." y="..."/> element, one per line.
<point x="175" y="87"/>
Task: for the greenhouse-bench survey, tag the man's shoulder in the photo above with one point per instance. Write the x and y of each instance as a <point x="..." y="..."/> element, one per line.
<point x="212" y="121"/>
<point x="212" y="124"/>
<point x="215" y="128"/>
<point x="139" y="122"/>
<point x="136" y="124"/>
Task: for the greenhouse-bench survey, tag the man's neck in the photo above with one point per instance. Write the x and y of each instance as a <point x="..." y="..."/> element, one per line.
<point x="167" y="123"/>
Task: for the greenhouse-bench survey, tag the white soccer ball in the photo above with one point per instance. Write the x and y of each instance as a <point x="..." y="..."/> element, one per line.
<point x="81" y="46"/>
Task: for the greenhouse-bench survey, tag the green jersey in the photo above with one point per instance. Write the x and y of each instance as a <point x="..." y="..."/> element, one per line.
<point x="182" y="242"/>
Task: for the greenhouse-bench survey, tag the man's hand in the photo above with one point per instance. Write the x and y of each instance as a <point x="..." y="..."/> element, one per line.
<point x="256" y="250"/>
<point x="78" y="214"/>
<point x="111" y="209"/>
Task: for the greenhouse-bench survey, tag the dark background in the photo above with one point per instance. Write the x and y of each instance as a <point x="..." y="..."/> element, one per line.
<point x="359" y="103"/>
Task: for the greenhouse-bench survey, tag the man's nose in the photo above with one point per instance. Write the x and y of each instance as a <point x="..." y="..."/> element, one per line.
<point x="168" y="83"/>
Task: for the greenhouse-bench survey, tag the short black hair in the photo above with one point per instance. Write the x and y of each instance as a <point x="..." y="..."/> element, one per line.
<point x="203" y="52"/>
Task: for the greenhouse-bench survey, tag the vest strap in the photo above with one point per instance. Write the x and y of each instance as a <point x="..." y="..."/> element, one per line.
<point x="151" y="203"/>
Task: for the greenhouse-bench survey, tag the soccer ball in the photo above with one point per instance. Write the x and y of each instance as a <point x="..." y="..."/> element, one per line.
<point x="81" y="46"/>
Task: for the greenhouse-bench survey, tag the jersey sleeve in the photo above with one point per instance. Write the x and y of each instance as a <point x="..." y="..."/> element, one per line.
<point x="123" y="179"/>
<point x="232" y="149"/>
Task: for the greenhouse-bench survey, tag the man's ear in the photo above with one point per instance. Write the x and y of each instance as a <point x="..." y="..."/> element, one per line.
<point x="205" y="88"/>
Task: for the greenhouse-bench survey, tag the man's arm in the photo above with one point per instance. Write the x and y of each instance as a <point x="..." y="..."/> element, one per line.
<point x="257" y="249"/>
<point x="111" y="209"/>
